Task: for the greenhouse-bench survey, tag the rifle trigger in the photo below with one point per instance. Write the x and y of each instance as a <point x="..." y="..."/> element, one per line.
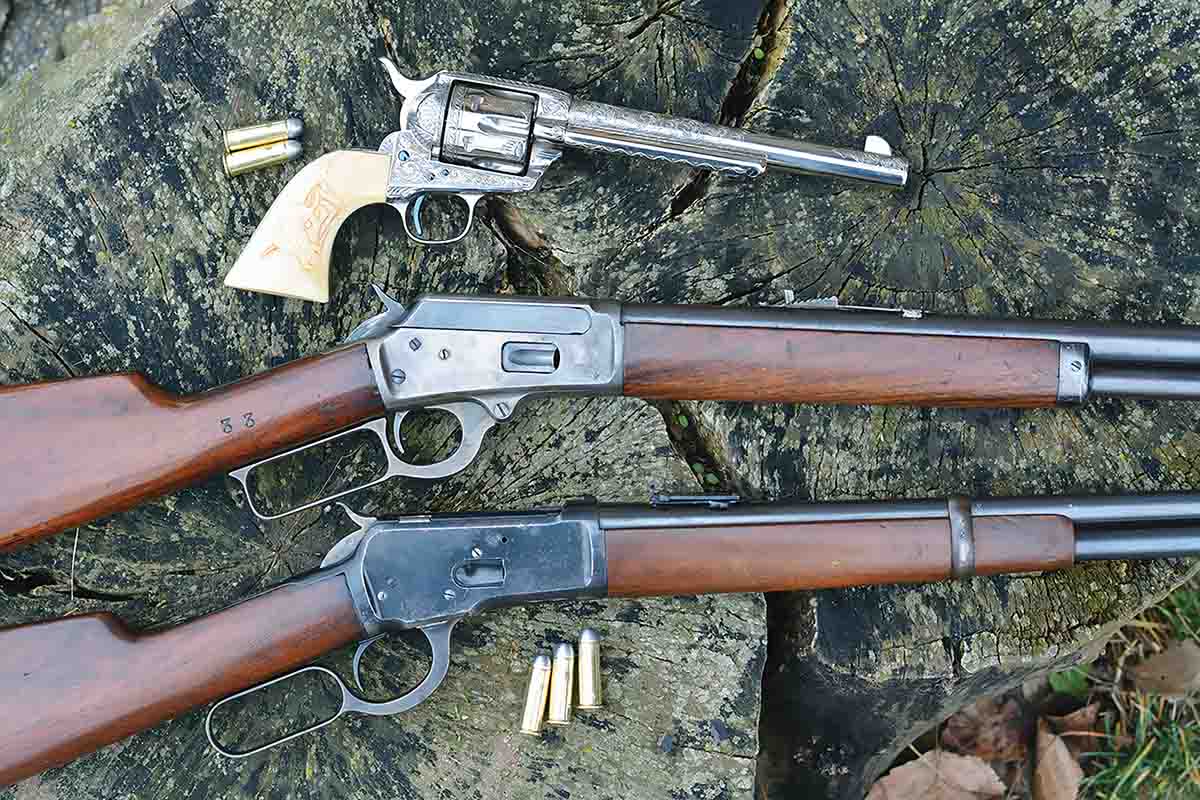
<point x="357" y="661"/>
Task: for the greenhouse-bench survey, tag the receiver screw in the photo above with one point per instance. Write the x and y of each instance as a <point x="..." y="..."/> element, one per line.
<point x="502" y="409"/>
<point x="414" y="344"/>
<point x="443" y="354"/>
<point x="398" y="375"/>
<point x="476" y="552"/>
<point x="449" y="594"/>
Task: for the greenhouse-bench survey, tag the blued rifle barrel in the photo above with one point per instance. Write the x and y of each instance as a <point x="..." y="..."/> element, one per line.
<point x="1109" y="542"/>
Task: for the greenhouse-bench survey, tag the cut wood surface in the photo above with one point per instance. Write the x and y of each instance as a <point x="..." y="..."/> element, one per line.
<point x="1054" y="174"/>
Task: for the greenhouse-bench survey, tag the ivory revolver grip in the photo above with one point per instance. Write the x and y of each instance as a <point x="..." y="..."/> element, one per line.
<point x="289" y="252"/>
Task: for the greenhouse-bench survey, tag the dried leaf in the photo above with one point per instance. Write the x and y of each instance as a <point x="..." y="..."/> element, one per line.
<point x="939" y="776"/>
<point x="1174" y="673"/>
<point x="1058" y="774"/>
<point x="1080" y="729"/>
<point x="987" y="729"/>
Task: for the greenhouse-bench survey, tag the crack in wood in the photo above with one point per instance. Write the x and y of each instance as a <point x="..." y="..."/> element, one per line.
<point x="753" y="76"/>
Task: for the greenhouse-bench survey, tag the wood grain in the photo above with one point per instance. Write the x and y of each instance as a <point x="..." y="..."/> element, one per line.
<point x="85" y="448"/>
<point x="1023" y="544"/>
<point x="73" y="685"/>
<point x="288" y="253"/>
<point x="773" y="558"/>
<point x="761" y="365"/>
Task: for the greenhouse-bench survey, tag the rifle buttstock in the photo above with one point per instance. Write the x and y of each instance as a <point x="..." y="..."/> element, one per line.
<point x="289" y="252"/>
<point x="76" y="684"/>
<point x="84" y="448"/>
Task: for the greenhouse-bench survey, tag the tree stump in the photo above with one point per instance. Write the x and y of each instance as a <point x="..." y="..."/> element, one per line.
<point x="1054" y="174"/>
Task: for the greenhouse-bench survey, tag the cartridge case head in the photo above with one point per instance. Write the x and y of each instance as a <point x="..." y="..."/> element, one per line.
<point x="279" y="130"/>
<point x="562" y="685"/>
<point x="261" y="157"/>
<point x="590" y="694"/>
<point x="536" y="696"/>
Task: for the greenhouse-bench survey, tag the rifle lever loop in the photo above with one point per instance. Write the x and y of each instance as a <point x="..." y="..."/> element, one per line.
<point x="439" y="645"/>
<point x="473" y="420"/>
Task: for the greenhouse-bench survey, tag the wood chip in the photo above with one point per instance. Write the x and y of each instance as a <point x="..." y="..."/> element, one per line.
<point x="939" y="776"/>
<point x="1057" y="774"/>
<point x="1174" y="673"/>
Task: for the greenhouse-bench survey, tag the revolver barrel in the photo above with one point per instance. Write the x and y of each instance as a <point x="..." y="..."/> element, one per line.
<point x="598" y="126"/>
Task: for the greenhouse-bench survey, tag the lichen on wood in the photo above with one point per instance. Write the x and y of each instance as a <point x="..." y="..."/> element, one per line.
<point x="1054" y="174"/>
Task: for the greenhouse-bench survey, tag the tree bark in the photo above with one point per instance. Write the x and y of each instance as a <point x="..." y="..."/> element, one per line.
<point x="1054" y="174"/>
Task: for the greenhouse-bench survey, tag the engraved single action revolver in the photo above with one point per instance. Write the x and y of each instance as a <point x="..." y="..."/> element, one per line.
<point x="463" y="136"/>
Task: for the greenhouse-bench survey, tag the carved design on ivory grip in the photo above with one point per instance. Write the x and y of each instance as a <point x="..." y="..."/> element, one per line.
<point x="288" y="254"/>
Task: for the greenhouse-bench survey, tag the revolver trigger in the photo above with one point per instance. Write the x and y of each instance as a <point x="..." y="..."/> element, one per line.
<point x="357" y="661"/>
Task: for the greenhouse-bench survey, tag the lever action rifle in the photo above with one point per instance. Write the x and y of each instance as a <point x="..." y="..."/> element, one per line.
<point x="107" y="443"/>
<point x="75" y="684"/>
<point x="463" y="136"/>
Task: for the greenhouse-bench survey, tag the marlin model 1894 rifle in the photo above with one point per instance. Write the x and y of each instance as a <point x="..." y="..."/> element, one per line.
<point x="463" y="136"/>
<point x="75" y="684"/>
<point x="107" y="443"/>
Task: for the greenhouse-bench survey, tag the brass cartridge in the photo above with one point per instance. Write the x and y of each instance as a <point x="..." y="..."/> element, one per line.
<point x="590" y="695"/>
<point x="279" y="130"/>
<point x="562" y="685"/>
<point x="267" y="155"/>
<point x="536" y="696"/>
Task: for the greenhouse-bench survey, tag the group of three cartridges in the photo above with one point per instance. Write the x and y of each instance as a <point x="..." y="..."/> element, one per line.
<point x="552" y="685"/>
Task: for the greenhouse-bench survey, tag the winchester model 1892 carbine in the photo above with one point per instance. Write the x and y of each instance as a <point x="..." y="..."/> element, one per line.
<point x="106" y="443"/>
<point x="75" y="684"/>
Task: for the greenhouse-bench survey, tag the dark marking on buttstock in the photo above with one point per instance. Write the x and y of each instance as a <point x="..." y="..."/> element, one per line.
<point x="84" y="448"/>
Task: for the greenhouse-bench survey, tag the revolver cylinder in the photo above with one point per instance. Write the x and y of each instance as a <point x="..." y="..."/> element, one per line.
<point x="489" y="128"/>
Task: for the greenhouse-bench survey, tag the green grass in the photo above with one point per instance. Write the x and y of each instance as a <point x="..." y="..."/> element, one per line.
<point x="1152" y="748"/>
<point x="1160" y="759"/>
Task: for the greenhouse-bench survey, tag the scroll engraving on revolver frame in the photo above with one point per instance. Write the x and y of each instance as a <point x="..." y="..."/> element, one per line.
<point x="477" y="360"/>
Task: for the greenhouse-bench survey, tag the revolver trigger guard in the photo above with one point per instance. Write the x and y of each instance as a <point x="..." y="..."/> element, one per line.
<point x="474" y="420"/>
<point x="363" y="646"/>
<point x="410" y="214"/>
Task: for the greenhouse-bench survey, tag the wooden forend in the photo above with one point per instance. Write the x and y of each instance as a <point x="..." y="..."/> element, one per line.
<point x="773" y="558"/>
<point x="762" y="365"/>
